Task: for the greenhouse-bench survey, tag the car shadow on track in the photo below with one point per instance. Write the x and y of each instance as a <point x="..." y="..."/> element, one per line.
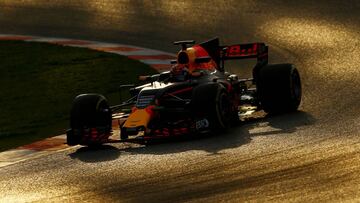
<point x="278" y="124"/>
<point x="234" y="137"/>
<point x="98" y="154"/>
<point x="213" y="144"/>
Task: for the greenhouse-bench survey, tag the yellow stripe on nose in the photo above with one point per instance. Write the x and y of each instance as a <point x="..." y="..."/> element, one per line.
<point x="140" y="117"/>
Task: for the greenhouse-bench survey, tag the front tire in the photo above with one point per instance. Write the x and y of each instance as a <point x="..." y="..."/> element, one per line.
<point x="212" y="102"/>
<point x="89" y="111"/>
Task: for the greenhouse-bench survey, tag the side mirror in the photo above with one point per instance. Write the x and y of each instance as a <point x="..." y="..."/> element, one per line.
<point x="149" y="78"/>
<point x="144" y="77"/>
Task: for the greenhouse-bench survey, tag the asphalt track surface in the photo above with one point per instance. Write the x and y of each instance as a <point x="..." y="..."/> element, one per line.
<point x="307" y="156"/>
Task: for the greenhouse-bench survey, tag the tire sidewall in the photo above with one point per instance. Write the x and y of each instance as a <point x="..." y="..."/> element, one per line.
<point x="209" y="101"/>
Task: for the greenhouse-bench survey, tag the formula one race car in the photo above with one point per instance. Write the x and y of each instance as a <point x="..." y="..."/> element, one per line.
<point x="196" y="96"/>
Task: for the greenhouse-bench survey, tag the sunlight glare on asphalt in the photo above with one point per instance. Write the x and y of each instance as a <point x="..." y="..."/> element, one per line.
<point x="332" y="48"/>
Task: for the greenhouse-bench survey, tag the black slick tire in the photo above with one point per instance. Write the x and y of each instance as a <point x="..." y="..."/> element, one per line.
<point x="89" y="111"/>
<point x="279" y="88"/>
<point x="212" y="102"/>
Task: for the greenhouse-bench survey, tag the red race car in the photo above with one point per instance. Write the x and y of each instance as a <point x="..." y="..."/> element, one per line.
<point x="196" y="96"/>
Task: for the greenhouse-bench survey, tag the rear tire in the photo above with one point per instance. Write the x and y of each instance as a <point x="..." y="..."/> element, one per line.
<point x="279" y="88"/>
<point x="89" y="111"/>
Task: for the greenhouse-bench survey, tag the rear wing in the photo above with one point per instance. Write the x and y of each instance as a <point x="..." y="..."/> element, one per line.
<point x="244" y="51"/>
<point x="237" y="51"/>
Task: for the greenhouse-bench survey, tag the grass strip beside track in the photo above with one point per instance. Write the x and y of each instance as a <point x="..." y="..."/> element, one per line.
<point x="38" y="82"/>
